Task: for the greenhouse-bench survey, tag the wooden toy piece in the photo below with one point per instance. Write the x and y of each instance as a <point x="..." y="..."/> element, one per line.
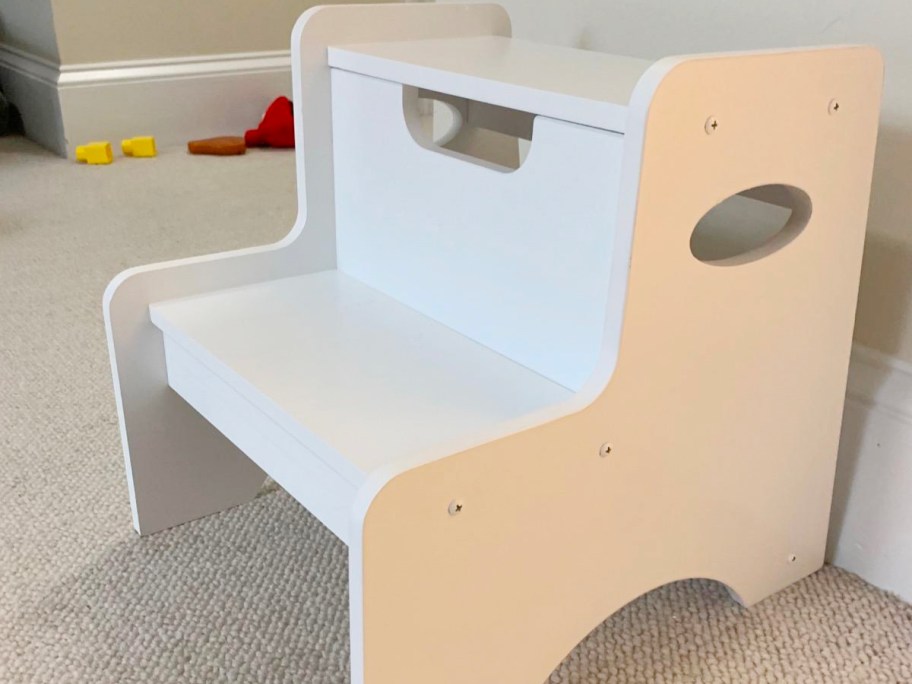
<point x="519" y="396"/>
<point x="222" y="146"/>
<point x="142" y="146"/>
<point x="95" y="153"/>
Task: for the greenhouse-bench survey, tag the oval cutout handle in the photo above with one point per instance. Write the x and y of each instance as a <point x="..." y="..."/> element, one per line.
<point x="750" y="224"/>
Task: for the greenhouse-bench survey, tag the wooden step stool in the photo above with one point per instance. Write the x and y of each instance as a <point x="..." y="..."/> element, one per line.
<point x="513" y="383"/>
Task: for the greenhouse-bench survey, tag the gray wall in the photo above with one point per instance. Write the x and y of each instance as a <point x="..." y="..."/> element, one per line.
<point x="29" y="25"/>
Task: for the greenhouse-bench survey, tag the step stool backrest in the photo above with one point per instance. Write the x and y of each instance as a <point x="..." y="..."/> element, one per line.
<point x="516" y="259"/>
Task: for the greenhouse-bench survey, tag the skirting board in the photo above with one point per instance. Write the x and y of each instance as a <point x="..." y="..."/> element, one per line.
<point x="871" y="521"/>
<point x="175" y="100"/>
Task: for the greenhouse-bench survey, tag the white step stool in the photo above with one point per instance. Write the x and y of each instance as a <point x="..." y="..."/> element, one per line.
<point x="519" y="392"/>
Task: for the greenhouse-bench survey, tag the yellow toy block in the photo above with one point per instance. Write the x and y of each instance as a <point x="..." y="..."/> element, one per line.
<point x="142" y="146"/>
<point x="95" y="153"/>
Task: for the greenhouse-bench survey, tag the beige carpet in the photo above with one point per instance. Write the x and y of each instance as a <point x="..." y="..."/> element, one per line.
<point x="258" y="594"/>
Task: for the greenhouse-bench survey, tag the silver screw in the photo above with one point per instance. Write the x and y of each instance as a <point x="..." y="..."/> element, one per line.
<point x="455" y="507"/>
<point x="833" y="107"/>
<point x="604" y="450"/>
<point x="711" y="125"/>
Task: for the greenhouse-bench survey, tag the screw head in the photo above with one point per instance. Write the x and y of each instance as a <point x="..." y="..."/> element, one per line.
<point x="833" y="106"/>
<point x="455" y="507"/>
<point x="711" y="125"/>
<point x="792" y="558"/>
<point x="604" y="450"/>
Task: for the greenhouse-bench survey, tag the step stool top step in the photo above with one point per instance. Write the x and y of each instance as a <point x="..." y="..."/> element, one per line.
<point x="581" y="86"/>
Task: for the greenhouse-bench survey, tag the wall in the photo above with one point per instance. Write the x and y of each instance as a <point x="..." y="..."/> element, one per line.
<point x="111" y="69"/>
<point x="116" y="30"/>
<point x="871" y="531"/>
<point x="871" y="521"/>
<point x="28" y="25"/>
<point x="657" y="28"/>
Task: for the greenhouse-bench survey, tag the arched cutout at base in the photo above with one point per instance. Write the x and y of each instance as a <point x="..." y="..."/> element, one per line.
<point x="658" y="632"/>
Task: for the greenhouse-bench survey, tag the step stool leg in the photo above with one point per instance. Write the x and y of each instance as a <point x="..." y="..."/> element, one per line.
<point x="179" y="467"/>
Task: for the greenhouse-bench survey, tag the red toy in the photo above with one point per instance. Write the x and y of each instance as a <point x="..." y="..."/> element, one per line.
<point x="277" y="127"/>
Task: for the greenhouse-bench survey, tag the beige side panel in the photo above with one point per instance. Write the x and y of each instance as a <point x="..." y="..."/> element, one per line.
<point x="723" y="412"/>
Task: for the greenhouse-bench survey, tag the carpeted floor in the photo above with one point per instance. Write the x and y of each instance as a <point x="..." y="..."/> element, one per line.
<point x="258" y="594"/>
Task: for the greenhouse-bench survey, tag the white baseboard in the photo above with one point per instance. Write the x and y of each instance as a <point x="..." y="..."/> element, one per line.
<point x="175" y="100"/>
<point x="871" y="523"/>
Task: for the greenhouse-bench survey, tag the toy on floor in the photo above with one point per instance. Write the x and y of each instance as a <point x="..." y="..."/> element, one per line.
<point x="277" y="127"/>
<point x="93" y="153"/>
<point x="141" y="146"/>
<point x="223" y="146"/>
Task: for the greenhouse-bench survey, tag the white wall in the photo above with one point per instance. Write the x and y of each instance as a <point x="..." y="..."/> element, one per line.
<point x="91" y="31"/>
<point x="116" y="30"/>
<point x="871" y="523"/>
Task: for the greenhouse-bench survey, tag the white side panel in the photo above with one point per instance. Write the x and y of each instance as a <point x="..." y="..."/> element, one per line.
<point x="871" y="522"/>
<point x="518" y="261"/>
<point x="323" y="491"/>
